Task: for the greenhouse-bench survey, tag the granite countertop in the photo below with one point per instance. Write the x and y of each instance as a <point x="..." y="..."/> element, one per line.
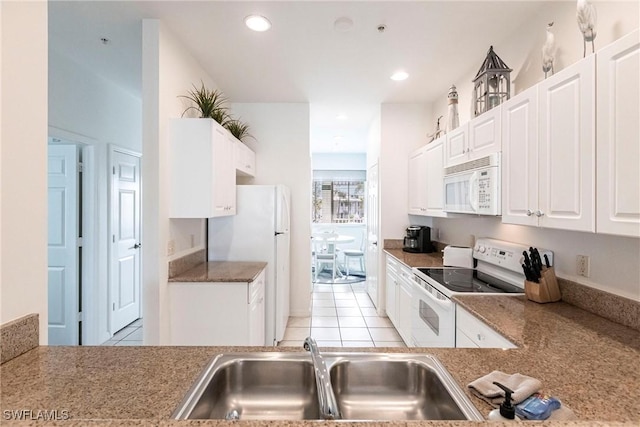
<point x="588" y="362"/>
<point x="221" y="271"/>
<point x="433" y="259"/>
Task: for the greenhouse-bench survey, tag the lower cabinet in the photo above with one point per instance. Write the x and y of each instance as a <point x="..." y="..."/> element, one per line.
<point x="471" y="332"/>
<point x="215" y="313"/>
<point x="399" y="293"/>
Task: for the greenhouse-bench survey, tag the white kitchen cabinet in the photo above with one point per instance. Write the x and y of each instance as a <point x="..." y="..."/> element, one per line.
<point x="566" y="166"/>
<point x="618" y="138"/>
<point x="471" y="332"/>
<point x="201" y="170"/>
<point x="403" y="301"/>
<point x="520" y="158"/>
<point x="474" y="140"/>
<point x="391" y="285"/>
<point x="426" y="174"/>
<point x="245" y="159"/>
<point x="434" y="153"/>
<point x="456" y="146"/>
<point x="418" y="182"/>
<point x="399" y="293"/>
<point x="214" y="313"/>
<point x="548" y="154"/>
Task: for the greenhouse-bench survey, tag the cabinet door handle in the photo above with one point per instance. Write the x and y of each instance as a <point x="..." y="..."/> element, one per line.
<point x="480" y="337"/>
<point x="529" y="212"/>
<point x="539" y="213"/>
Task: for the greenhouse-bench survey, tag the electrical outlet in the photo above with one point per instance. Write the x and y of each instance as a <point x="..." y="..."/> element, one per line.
<point x="171" y="247"/>
<point x="582" y="265"/>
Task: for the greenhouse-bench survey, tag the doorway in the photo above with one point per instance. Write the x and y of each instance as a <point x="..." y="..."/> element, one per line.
<point x="82" y="215"/>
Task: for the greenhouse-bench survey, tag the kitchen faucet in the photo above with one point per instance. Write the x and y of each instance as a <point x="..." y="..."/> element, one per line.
<point x="326" y="398"/>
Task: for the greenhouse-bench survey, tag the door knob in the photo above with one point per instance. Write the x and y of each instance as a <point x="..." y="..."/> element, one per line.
<point x="137" y="246"/>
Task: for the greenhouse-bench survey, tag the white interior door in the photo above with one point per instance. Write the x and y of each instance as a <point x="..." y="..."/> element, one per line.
<point x="373" y="225"/>
<point x="63" y="245"/>
<point x="125" y="223"/>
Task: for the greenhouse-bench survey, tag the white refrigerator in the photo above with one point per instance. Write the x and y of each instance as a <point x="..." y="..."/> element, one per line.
<point x="259" y="232"/>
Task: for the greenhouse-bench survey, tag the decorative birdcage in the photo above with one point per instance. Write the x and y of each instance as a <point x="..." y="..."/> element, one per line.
<point x="492" y="84"/>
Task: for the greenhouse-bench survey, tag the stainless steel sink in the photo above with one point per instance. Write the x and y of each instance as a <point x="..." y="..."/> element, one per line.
<point x="254" y="386"/>
<point x="367" y="386"/>
<point x="397" y="387"/>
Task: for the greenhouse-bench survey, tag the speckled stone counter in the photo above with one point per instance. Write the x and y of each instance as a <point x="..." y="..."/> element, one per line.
<point x="221" y="271"/>
<point x="588" y="362"/>
<point x="416" y="260"/>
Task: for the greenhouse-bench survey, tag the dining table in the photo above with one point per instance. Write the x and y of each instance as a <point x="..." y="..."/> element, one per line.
<point x="340" y="239"/>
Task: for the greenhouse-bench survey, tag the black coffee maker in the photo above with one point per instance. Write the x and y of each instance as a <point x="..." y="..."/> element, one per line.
<point x="418" y="239"/>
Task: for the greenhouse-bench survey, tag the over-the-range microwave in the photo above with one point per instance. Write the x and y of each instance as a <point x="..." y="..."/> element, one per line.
<point x="474" y="187"/>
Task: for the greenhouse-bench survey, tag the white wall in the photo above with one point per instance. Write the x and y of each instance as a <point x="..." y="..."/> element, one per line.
<point x="281" y="144"/>
<point x="403" y="129"/>
<point x="339" y="161"/>
<point x="23" y="167"/>
<point x="167" y="72"/>
<point x="84" y="103"/>
<point x="609" y="254"/>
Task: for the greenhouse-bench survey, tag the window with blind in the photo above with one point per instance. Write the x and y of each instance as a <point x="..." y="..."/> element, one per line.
<point x="338" y="197"/>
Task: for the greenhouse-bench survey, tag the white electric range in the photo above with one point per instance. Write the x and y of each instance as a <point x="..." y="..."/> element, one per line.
<point x="498" y="271"/>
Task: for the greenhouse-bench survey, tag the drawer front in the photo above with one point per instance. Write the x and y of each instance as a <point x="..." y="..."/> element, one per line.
<point x="478" y="332"/>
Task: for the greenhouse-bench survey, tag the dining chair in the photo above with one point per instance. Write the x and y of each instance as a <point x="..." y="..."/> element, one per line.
<point x="356" y="253"/>
<point x="324" y="248"/>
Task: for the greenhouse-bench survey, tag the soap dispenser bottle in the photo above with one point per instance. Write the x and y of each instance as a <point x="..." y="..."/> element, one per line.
<point x="507" y="411"/>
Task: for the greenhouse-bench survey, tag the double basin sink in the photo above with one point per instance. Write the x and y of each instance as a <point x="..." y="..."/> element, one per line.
<point x="367" y="386"/>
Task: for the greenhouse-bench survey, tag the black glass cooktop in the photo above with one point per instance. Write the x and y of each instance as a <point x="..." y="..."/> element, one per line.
<point x="469" y="280"/>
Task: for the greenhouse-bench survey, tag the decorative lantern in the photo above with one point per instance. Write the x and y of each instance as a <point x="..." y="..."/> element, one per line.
<point x="492" y="84"/>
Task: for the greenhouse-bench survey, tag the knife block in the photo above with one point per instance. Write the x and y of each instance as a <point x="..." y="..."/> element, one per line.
<point x="545" y="291"/>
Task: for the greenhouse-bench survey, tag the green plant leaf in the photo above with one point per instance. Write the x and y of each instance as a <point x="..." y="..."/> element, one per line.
<point x="209" y="103"/>
<point x="238" y="129"/>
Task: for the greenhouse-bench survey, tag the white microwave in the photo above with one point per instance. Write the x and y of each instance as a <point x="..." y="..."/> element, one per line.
<point x="474" y="187"/>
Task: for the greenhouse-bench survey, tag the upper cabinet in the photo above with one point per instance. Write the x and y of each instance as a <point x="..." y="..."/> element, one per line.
<point x="426" y="173"/>
<point x="417" y="182"/>
<point x="566" y="106"/>
<point x="478" y="138"/>
<point x="245" y="159"/>
<point x="520" y="158"/>
<point x="201" y="169"/>
<point x="618" y="127"/>
<point x="549" y="152"/>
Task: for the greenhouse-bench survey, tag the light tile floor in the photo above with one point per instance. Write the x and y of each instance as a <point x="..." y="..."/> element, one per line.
<point x="129" y="335"/>
<point x="342" y="316"/>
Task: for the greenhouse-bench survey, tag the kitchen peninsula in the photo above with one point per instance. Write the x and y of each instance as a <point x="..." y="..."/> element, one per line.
<point x="588" y="362"/>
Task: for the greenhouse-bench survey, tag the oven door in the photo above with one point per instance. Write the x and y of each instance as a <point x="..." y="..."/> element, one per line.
<point x="433" y="320"/>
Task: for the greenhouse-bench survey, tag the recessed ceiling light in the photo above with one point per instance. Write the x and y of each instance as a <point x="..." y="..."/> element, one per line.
<point x="341" y="117"/>
<point x="257" y="23"/>
<point x="343" y="24"/>
<point x="399" y="75"/>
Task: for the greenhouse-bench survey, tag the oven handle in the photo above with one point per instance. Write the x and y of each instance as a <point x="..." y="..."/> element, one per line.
<point x="445" y="304"/>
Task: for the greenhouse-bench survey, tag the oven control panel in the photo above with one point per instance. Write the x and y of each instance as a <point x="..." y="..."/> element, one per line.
<point x="504" y="254"/>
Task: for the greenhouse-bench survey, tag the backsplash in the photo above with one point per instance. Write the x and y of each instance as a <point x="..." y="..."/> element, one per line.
<point x="187" y="262"/>
<point x="18" y="337"/>
<point x="613" y="307"/>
